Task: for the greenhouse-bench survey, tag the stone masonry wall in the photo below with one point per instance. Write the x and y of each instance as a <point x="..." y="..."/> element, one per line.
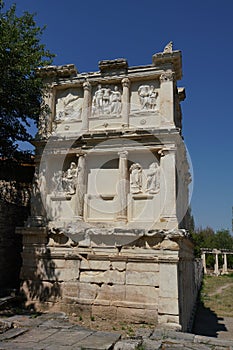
<point x="135" y="284"/>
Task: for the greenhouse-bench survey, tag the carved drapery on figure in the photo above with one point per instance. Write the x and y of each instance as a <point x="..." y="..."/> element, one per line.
<point x="65" y="181"/>
<point x="69" y="108"/>
<point x="148" y="97"/>
<point x="152" y="182"/>
<point x="135" y="178"/>
<point x="106" y="101"/>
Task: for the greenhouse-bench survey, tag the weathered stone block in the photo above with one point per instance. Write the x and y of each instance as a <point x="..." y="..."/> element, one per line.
<point x="87" y="290"/>
<point x="142" y="294"/>
<point x="168" y="281"/>
<point x="70" y="289"/>
<point x="112" y="293"/>
<point x="104" y="312"/>
<point x="137" y="315"/>
<point x="118" y="265"/>
<point x="95" y="265"/>
<point x="42" y="290"/>
<point x="111" y="276"/>
<point x="142" y="266"/>
<point x="168" y="319"/>
<point x="143" y="278"/>
<point x="168" y="306"/>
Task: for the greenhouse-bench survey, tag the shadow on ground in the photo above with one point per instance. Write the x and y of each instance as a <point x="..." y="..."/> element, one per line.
<point x="207" y="323"/>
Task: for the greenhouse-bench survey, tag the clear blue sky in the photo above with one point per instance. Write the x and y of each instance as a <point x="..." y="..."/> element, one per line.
<point x="84" y="32"/>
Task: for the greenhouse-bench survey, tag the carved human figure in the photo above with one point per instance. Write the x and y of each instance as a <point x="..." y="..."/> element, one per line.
<point x="152" y="183"/>
<point x="147" y="97"/>
<point x="69" y="178"/>
<point x="98" y="100"/>
<point x="135" y="178"/>
<point x="69" y="107"/>
<point x="57" y="181"/>
<point x="116" y="101"/>
<point x="143" y="95"/>
<point x="106" y="101"/>
<point x="152" y="97"/>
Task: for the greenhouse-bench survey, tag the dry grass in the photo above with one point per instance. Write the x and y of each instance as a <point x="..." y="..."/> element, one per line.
<point x="217" y="294"/>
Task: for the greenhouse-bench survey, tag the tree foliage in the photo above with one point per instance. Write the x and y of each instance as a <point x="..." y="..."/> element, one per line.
<point x="21" y="89"/>
<point x="207" y="238"/>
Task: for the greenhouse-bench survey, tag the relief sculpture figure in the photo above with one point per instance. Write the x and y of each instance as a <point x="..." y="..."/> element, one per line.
<point x="135" y="178"/>
<point x="152" y="183"/>
<point x="65" y="181"/>
<point x="70" y="177"/>
<point x="69" y="108"/>
<point x="116" y="101"/>
<point x="57" y="181"/>
<point x="106" y="101"/>
<point x="147" y="97"/>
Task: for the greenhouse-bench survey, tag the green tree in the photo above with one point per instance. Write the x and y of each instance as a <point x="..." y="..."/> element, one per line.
<point x="223" y="240"/>
<point x="203" y="238"/>
<point x="21" y="89"/>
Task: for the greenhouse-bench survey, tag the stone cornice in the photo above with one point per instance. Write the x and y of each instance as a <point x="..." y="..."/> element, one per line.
<point x="174" y="58"/>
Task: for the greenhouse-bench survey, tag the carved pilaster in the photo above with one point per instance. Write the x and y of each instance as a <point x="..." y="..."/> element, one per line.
<point x="123" y="186"/>
<point x="81" y="184"/>
<point x="46" y="122"/>
<point x="86" y="109"/>
<point x="125" y="101"/>
<point x="167" y="98"/>
<point x="168" y="189"/>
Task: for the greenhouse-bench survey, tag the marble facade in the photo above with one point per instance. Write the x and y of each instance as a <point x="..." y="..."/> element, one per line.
<point x="110" y="193"/>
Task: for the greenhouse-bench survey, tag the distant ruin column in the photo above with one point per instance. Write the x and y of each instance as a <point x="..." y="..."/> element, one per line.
<point x="81" y="185"/>
<point x="224" y="270"/>
<point x="123" y="186"/>
<point x="167" y="97"/>
<point x="86" y="109"/>
<point x="168" y="189"/>
<point x="125" y="101"/>
<point x="203" y="262"/>
<point x="216" y="270"/>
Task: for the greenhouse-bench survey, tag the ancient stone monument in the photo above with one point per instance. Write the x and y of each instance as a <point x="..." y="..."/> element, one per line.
<point x="107" y="233"/>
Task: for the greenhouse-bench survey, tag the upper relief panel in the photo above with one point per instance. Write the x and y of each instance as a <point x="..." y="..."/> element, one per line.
<point x="106" y="102"/>
<point x="145" y="104"/>
<point x="68" y="109"/>
<point x="68" y="105"/>
<point x="116" y="97"/>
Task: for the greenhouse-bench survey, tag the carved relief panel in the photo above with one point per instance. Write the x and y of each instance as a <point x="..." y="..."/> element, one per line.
<point x="144" y="97"/>
<point x="107" y="101"/>
<point x="68" y="105"/>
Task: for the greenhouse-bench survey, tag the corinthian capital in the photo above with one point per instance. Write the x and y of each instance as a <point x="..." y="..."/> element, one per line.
<point x="87" y="86"/>
<point x="125" y="82"/>
<point x="167" y="76"/>
<point x="123" y="154"/>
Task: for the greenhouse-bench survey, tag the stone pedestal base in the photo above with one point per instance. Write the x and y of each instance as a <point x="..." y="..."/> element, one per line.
<point x="152" y="280"/>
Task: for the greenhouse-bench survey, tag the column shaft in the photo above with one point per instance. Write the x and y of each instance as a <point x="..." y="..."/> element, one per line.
<point x="125" y="101"/>
<point x="81" y="185"/>
<point x="86" y="109"/>
<point x="204" y="262"/>
<point x="123" y="186"/>
<point x="216" y="270"/>
<point x="168" y="190"/>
